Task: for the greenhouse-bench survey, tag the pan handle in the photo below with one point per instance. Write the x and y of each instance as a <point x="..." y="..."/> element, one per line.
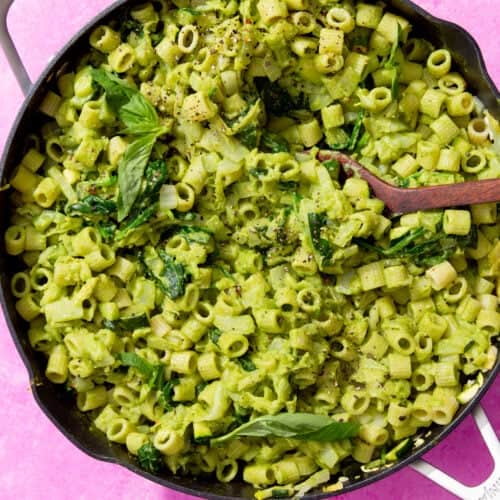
<point x="490" y="488"/>
<point x="10" y="49"/>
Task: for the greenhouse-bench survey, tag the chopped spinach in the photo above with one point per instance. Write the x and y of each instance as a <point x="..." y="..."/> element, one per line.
<point x="393" y="65"/>
<point x="322" y="245"/>
<point x="352" y="142"/>
<point x="195" y="234"/>
<point x="333" y="167"/>
<point x="161" y="267"/>
<point x="189" y="10"/>
<point x="174" y="276"/>
<point x="258" y="172"/>
<point x="127" y="324"/>
<point x="274" y="143"/>
<point x="167" y="393"/>
<point x="277" y="100"/>
<point x="133" y="360"/>
<point x="246" y="363"/>
<point x="421" y="248"/>
<point x="288" y="185"/>
<point x="249" y="137"/>
<point x="92" y="205"/>
<point x="214" y="335"/>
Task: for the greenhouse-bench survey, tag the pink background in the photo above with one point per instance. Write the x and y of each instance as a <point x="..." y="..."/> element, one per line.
<point x="36" y="461"/>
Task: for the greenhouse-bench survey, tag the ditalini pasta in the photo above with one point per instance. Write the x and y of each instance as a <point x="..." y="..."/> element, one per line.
<point x="218" y="300"/>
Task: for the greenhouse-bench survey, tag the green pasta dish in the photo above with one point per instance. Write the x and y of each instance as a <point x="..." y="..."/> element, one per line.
<point x="219" y="300"/>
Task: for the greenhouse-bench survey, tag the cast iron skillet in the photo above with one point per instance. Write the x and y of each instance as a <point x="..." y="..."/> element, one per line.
<point x="58" y="405"/>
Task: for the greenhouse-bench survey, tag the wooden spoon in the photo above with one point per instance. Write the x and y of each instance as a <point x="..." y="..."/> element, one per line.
<point x="403" y="200"/>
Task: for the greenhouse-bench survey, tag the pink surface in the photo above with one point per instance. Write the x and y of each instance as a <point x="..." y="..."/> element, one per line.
<point x="36" y="461"/>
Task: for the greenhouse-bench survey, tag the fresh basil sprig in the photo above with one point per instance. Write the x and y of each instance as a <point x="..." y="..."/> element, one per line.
<point x="303" y="426"/>
<point x="141" y="120"/>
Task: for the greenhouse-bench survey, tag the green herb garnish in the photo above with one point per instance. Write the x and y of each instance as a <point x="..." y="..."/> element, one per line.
<point x="140" y="119"/>
<point x="302" y="426"/>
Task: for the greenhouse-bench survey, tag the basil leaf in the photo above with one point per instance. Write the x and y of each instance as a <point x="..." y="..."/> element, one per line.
<point x="303" y="426"/>
<point x="118" y="92"/>
<point x="139" y="116"/>
<point x="130" y="172"/>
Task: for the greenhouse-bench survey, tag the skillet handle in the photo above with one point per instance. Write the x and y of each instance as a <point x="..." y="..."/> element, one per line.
<point x="490" y="488"/>
<point x="10" y="50"/>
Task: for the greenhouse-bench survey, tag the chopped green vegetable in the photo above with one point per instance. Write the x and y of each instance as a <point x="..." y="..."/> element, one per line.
<point x="133" y="360"/>
<point x="166" y="394"/>
<point x="423" y="250"/>
<point x="108" y="182"/>
<point x="249" y="137"/>
<point x="302" y="426"/>
<point x="351" y="143"/>
<point x="399" y="451"/>
<point x="214" y="335"/>
<point x="127" y="324"/>
<point x="247" y="364"/>
<point x="288" y="185"/>
<point x="174" y="276"/>
<point x="191" y="11"/>
<point x="393" y="65"/>
<point x="322" y="245"/>
<point x="106" y="230"/>
<point x="137" y="220"/>
<point x="276" y="99"/>
<point x="333" y="167"/>
<point x="258" y="172"/>
<point x="274" y="143"/>
<point x="92" y="205"/>
<point x="150" y="459"/>
<point x="155" y="374"/>
<point x="195" y="234"/>
<point x="165" y="271"/>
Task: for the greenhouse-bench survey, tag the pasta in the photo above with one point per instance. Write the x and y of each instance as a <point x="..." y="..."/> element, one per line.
<point x="189" y="265"/>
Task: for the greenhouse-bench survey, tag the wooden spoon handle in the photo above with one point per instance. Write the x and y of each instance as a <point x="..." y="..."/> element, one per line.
<point x="403" y="200"/>
<point x="442" y="196"/>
